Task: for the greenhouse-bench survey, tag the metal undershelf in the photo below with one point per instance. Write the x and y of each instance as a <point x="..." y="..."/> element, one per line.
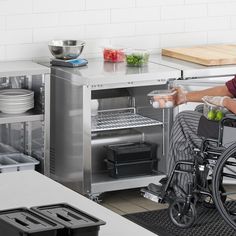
<point x="120" y="119"/>
<point x="104" y="183"/>
<point x="31" y="115"/>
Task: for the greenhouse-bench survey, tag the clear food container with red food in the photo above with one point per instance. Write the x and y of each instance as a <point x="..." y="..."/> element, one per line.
<point x="162" y="98"/>
<point x="113" y="54"/>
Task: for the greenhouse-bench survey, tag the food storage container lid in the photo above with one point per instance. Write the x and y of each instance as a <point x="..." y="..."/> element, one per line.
<point x="113" y="47"/>
<point x="23" y="221"/>
<point x="162" y="93"/>
<point x="68" y="216"/>
<point x="136" y="51"/>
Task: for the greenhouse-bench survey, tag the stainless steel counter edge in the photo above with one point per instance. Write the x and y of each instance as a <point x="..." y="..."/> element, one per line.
<point x="190" y="70"/>
<point x="101" y="75"/>
<point x="21" y="68"/>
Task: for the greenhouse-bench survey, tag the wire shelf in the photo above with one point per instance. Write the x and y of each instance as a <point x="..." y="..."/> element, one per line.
<point x="120" y="119"/>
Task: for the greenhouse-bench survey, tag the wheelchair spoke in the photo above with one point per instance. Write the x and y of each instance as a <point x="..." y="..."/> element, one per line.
<point x="229" y="175"/>
<point x="175" y="211"/>
<point x="178" y="207"/>
<point x="186" y="219"/>
<point x="233" y="214"/>
<point x="231" y="169"/>
<point x="228" y="193"/>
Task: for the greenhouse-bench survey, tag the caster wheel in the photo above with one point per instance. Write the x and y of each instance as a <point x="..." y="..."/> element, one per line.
<point x="182" y="214"/>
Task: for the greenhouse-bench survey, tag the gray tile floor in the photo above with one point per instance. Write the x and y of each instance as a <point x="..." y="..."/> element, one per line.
<point x="128" y="201"/>
<point x="131" y="201"/>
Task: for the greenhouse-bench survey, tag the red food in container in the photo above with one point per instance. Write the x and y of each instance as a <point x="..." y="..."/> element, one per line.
<point x="111" y="54"/>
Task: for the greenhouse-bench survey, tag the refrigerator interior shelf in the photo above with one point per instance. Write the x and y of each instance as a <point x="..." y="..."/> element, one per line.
<point x="120" y="119"/>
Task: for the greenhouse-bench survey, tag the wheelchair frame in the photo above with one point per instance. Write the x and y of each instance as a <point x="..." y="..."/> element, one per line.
<point x="215" y="157"/>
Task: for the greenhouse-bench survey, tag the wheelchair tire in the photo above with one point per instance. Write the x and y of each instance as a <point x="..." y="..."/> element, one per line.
<point x="182" y="214"/>
<point x="221" y="171"/>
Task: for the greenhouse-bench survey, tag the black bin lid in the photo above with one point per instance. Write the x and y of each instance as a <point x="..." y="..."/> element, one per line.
<point x="132" y="147"/>
<point x="68" y="216"/>
<point x="27" y="221"/>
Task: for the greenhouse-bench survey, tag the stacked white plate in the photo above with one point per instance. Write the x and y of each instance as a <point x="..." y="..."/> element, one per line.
<point x="16" y="101"/>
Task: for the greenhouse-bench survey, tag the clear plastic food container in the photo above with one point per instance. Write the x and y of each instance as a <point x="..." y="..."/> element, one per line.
<point x="162" y="98"/>
<point x="113" y="54"/>
<point x="212" y="112"/>
<point x="137" y="58"/>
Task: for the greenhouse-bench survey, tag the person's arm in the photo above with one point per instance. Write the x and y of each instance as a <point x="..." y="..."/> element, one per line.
<point x="196" y="96"/>
<point x="230" y="104"/>
<point x="227" y="90"/>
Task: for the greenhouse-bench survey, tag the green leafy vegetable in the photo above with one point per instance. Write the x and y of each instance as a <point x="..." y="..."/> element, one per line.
<point x="137" y="59"/>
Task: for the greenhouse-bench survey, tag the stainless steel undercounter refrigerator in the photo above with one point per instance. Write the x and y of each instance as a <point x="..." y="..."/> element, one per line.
<point x="98" y="111"/>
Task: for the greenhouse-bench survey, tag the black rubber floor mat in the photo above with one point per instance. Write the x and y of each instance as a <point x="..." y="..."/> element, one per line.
<point x="209" y="223"/>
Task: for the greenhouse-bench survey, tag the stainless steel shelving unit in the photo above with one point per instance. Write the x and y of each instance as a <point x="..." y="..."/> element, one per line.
<point x="29" y="131"/>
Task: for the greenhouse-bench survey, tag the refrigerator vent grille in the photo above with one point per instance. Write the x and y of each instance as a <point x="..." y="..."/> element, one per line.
<point x="52" y="160"/>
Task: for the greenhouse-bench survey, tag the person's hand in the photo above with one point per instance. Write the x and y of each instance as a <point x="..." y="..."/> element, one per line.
<point x="214" y="100"/>
<point x="180" y="95"/>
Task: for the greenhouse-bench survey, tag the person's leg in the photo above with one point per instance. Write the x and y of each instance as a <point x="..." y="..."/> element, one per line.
<point x="183" y="140"/>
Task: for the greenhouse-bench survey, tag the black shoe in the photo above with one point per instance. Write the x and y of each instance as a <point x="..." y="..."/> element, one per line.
<point x="157" y="189"/>
<point x="163" y="181"/>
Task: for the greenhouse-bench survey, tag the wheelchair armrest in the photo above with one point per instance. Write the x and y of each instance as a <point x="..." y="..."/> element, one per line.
<point x="206" y="142"/>
<point x="228" y="117"/>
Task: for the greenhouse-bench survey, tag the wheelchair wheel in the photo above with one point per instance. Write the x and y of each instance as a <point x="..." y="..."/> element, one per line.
<point x="225" y="175"/>
<point x="182" y="214"/>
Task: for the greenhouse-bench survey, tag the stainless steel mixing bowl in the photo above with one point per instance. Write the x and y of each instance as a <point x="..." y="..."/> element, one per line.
<point x="66" y="49"/>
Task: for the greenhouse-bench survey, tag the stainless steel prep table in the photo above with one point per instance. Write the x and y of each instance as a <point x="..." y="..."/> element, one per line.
<point x="29" y="188"/>
<point x="72" y="135"/>
<point x="192" y="70"/>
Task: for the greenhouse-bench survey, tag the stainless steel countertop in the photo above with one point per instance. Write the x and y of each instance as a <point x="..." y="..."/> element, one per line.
<point x="99" y="74"/>
<point x="34" y="189"/>
<point x="190" y="70"/>
<point x="20" y="68"/>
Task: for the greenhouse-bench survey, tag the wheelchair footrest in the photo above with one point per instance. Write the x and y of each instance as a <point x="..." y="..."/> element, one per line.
<point x="151" y="196"/>
<point x="153" y="192"/>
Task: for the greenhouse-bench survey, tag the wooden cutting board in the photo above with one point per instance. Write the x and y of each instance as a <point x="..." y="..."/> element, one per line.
<point x="210" y="55"/>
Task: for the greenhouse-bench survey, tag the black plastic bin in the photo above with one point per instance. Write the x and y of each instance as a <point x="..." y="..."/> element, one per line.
<point x="24" y="222"/>
<point x="75" y="221"/>
<point x="130" y="169"/>
<point x="131" y="152"/>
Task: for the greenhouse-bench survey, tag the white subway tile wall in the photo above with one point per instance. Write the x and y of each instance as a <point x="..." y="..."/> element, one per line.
<point x="26" y="26"/>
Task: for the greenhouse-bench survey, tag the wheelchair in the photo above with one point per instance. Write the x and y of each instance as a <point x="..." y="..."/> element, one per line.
<point x="212" y="180"/>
